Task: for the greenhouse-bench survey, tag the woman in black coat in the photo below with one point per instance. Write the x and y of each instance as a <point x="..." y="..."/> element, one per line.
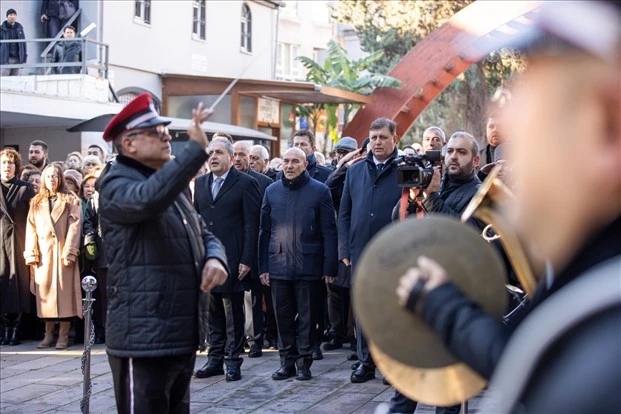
<point x="15" y="296"/>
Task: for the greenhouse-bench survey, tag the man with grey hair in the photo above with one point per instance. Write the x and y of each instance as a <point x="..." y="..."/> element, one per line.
<point x="161" y="257"/>
<point x="260" y="161"/>
<point x="433" y="139"/>
<point x="229" y="201"/>
<point x="297" y="249"/>
<point x="253" y="299"/>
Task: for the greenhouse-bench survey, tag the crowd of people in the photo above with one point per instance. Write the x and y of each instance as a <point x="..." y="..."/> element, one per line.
<point x="213" y="249"/>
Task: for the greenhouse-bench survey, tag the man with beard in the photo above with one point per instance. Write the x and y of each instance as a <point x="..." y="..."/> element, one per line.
<point x="452" y="194"/>
<point x="495" y="137"/>
<point x="37" y="154"/>
<point x="253" y="299"/>
<point x="229" y="202"/>
<point x="560" y="352"/>
<point x="449" y="196"/>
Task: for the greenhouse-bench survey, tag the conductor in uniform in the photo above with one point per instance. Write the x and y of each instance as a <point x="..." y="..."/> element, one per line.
<point x="162" y="260"/>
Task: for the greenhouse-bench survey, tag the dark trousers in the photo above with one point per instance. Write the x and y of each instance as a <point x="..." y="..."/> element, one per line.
<point x="320" y="314"/>
<point x="341" y="324"/>
<point x="399" y="403"/>
<point x="218" y="315"/>
<point x="152" y="385"/>
<point x="271" y="331"/>
<point x="253" y="301"/>
<point x="362" y="347"/>
<point x="295" y="336"/>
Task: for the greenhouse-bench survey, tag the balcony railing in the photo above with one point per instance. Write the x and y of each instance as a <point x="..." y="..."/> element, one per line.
<point x="96" y="59"/>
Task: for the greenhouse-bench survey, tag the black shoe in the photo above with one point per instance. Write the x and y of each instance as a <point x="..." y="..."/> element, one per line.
<point x="352" y="357"/>
<point x="362" y="374"/>
<point x="332" y="344"/>
<point x="303" y="374"/>
<point x="317" y="355"/>
<point x="14" y="339"/>
<point x="283" y="374"/>
<point x="255" y="352"/>
<point x="6" y="336"/>
<point x="272" y="344"/>
<point x="355" y="366"/>
<point x="209" y="370"/>
<point x="385" y="381"/>
<point x="233" y="374"/>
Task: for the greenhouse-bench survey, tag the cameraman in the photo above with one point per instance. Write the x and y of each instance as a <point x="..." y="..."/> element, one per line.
<point x="451" y="196"/>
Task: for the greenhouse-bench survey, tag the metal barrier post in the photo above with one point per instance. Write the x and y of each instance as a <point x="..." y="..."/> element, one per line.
<point x="89" y="284"/>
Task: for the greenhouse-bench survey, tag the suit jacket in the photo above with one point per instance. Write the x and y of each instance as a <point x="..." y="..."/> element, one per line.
<point x="233" y="217"/>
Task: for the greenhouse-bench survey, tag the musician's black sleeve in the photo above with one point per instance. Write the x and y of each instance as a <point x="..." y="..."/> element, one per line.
<point x="467" y="331"/>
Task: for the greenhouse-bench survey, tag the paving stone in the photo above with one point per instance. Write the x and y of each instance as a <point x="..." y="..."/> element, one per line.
<point x="38" y="363"/>
<point x="28" y="392"/>
<point x="341" y="402"/>
<point x="370" y="407"/>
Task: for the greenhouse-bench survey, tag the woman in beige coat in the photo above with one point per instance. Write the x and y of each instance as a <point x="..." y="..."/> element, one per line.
<point x="52" y="246"/>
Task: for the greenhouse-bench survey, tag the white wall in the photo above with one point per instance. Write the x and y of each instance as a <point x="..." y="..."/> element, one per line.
<point x="167" y="46"/>
<point x="311" y="29"/>
<point x="60" y="141"/>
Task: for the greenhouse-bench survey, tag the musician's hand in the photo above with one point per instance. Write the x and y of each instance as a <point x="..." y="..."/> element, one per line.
<point x="414" y="192"/>
<point x="67" y="262"/>
<point x="265" y="278"/>
<point x="195" y="132"/>
<point x="346" y="261"/>
<point x="328" y="279"/>
<point x="214" y="274"/>
<point x="435" y="274"/>
<point x="434" y="185"/>
<point x="486" y="169"/>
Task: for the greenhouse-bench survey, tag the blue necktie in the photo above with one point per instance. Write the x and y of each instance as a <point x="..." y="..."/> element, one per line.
<point x="216" y="187"/>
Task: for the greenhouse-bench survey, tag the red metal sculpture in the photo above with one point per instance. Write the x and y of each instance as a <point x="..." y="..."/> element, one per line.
<point x="438" y="59"/>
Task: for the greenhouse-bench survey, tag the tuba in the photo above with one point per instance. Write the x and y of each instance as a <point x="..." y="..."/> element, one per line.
<point x="405" y="349"/>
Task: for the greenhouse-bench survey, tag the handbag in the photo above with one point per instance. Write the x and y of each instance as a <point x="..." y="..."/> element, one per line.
<point x="66" y="10"/>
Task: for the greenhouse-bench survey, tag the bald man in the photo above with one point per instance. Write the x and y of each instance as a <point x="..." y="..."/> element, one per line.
<point x="297" y="252"/>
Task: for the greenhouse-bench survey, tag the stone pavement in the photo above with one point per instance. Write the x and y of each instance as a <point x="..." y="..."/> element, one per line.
<point x="36" y="381"/>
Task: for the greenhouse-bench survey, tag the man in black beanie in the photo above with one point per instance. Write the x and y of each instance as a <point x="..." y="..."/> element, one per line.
<point x="12" y="53"/>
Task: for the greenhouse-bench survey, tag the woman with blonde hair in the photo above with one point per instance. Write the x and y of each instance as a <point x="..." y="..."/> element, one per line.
<point x="52" y="247"/>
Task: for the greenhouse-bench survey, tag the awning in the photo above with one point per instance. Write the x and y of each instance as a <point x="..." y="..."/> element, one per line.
<point x="285" y="91"/>
<point x="178" y="126"/>
<point x="310" y="94"/>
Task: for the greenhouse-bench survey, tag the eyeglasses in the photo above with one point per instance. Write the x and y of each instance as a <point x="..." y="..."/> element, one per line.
<point x="160" y="131"/>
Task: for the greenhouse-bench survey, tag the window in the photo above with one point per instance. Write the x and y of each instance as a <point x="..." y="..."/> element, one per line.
<point x="198" y="28"/>
<point x="287" y="66"/>
<point x="290" y="9"/>
<point x="143" y="11"/>
<point x="246" y="29"/>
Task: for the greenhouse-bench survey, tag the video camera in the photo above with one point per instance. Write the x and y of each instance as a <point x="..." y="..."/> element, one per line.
<point x="416" y="170"/>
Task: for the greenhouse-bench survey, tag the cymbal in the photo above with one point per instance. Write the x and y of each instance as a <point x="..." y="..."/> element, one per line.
<point x="441" y="387"/>
<point x="470" y="262"/>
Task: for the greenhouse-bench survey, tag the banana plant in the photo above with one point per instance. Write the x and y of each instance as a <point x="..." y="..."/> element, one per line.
<point x="339" y="71"/>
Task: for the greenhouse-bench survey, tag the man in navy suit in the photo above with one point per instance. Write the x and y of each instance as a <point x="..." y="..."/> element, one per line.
<point x="253" y="299"/>
<point x="297" y="249"/>
<point x="229" y="201"/>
